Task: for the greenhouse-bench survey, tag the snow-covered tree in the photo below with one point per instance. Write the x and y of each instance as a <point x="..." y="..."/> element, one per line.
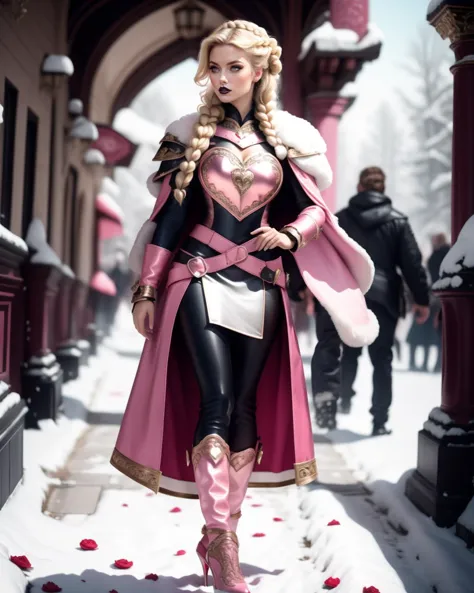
<point x="430" y="113"/>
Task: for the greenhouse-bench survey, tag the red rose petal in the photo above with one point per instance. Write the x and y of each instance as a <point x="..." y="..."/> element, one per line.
<point x="150" y="494"/>
<point x="333" y="522"/>
<point x="175" y="510"/>
<point x="180" y="553"/>
<point x="248" y="496"/>
<point x="152" y="577"/>
<point x="50" y="587"/>
<point x="122" y="563"/>
<point x="370" y="589"/>
<point x="21" y="561"/>
<point x="125" y="504"/>
<point x="278" y="519"/>
<point x="88" y="544"/>
<point x="258" y="535"/>
<point x="256" y="504"/>
<point x="332" y="582"/>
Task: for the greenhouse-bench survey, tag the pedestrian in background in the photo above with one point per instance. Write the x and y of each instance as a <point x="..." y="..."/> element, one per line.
<point x="386" y="235"/>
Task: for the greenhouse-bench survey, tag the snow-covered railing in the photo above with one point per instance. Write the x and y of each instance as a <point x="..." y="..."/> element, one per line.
<point x="9" y="237"/>
<point x="457" y="268"/>
<point x="327" y="38"/>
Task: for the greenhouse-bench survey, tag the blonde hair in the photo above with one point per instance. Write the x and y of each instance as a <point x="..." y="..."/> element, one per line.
<point x="264" y="53"/>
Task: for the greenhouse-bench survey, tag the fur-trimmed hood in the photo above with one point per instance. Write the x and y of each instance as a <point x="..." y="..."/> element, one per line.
<point x="305" y="144"/>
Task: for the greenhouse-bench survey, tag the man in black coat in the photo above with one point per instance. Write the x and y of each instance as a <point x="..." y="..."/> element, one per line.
<point x="386" y="235"/>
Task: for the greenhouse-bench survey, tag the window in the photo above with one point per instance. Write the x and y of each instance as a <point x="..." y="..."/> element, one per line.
<point x="10" y="106"/>
<point x="52" y="157"/>
<point x="70" y="218"/>
<point x="30" y="170"/>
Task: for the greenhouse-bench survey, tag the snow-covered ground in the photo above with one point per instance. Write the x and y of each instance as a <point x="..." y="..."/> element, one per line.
<point x="381" y="542"/>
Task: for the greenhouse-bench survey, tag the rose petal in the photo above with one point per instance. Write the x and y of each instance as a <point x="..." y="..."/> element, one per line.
<point x="333" y="522"/>
<point x="175" y="510"/>
<point x="83" y="580"/>
<point x="50" y="587"/>
<point x="88" y="544"/>
<point x="152" y="577"/>
<point x="150" y="494"/>
<point x="370" y="589"/>
<point x="278" y="519"/>
<point x="21" y="561"/>
<point x="332" y="582"/>
<point x="180" y="553"/>
<point x="122" y="563"/>
<point x="125" y="504"/>
<point x="113" y="591"/>
<point x="248" y="496"/>
<point x="255" y="505"/>
<point x="258" y="535"/>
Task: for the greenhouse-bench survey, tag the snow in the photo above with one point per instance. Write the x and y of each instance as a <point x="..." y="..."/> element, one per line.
<point x="1" y="113"/>
<point x="137" y="129"/>
<point x="467" y="518"/>
<point x="460" y="257"/>
<point x="441" y="181"/>
<point x="109" y="186"/>
<point x="84" y="129"/>
<point x="57" y="65"/>
<point x="465" y="59"/>
<point x="75" y="107"/>
<point x="36" y="240"/>
<point x="6" y="404"/>
<point x="382" y="540"/>
<point x="13" y="239"/>
<point x="349" y="90"/>
<point x="94" y="156"/>
<point x="434" y="5"/>
<point x="327" y="38"/>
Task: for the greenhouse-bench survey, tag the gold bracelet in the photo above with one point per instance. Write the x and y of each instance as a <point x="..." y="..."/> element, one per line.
<point x="144" y="292"/>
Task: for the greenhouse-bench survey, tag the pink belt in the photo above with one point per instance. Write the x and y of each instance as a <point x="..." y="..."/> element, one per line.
<point x="230" y="254"/>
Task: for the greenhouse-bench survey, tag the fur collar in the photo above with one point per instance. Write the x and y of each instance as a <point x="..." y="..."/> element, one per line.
<point x="296" y="133"/>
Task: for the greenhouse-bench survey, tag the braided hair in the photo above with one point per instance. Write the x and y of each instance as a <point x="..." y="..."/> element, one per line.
<point x="265" y="53"/>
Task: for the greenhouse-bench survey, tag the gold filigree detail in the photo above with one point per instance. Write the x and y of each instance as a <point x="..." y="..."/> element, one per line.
<point x="454" y="22"/>
<point x="225" y="551"/>
<point x="146" y="476"/>
<point x="242" y="458"/>
<point x="305" y="472"/>
<point x="167" y="152"/>
<point x="242" y="179"/>
<point x="212" y="446"/>
<point x="249" y="127"/>
<point x="237" y="162"/>
<point x="294" y="154"/>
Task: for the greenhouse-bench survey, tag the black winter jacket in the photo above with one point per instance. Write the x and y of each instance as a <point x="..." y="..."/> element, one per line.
<point x="388" y="238"/>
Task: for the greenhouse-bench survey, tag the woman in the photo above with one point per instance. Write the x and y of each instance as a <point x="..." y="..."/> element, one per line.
<point x="221" y="361"/>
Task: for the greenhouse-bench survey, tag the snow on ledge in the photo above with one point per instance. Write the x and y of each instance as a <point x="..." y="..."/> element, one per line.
<point x="75" y="107"/>
<point x="467" y="518"/>
<point x="84" y="129"/>
<point x="465" y="60"/>
<point x="327" y="38"/>
<point x="109" y="186"/>
<point x="459" y="258"/>
<point x="9" y="402"/>
<point x="59" y="65"/>
<point x="434" y="5"/>
<point x="1" y="113"/>
<point x="94" y="156"/>
<point x="13" y="239"/>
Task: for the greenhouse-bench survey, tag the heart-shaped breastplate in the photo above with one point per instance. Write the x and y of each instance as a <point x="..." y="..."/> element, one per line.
<point x="240" y="186"/>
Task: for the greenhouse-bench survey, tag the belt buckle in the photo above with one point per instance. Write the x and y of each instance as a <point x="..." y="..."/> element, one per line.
<point x="196" y="272"/>
<point x="269" y="275"/>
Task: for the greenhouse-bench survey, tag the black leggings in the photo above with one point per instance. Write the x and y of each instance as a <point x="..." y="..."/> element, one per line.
<point x="228" y="366"/>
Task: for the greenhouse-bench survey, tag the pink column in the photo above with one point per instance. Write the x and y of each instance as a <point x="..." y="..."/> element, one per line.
<point x="325" y="112"/>
<point x="291" y="78"/>
<point x="350" y="14"/>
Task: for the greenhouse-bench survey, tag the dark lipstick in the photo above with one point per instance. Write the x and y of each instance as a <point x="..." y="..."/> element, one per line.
<point x="223" y="90"/>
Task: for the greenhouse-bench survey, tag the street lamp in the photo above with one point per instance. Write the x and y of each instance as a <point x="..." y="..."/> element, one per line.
<point x="55" y="69"/>
<point x="189" y="18"/>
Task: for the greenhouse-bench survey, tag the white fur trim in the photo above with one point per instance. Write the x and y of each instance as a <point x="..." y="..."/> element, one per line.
<point x="137" y="253"/>
<point x="153" y="186"/>
<point x="355" y="336"/>
<point x="296" y="132"/>
<point x="183" y="128"/>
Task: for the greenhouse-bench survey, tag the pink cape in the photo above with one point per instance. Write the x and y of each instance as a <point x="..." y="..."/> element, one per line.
<point x="156" y="435"/>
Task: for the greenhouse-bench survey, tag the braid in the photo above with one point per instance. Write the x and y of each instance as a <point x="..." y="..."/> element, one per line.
<point x="210" y="113"/>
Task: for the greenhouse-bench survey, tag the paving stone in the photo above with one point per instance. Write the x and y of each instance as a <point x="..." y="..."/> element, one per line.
<point x="77" y="500"/>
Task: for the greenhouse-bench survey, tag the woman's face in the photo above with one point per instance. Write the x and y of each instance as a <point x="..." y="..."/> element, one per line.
<point x="231" y="73"/>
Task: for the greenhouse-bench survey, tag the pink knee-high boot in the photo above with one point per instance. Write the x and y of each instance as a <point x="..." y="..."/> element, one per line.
<point x="240" y="471"/>
<point x="211" y="471"/>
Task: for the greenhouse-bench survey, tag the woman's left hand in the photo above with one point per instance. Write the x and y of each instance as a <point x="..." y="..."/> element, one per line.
<point x="270" y="238"/>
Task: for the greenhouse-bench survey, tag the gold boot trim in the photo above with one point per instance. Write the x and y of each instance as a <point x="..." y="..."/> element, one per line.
<point x="305" y="472"/>
<point x="212" y="446"/>
<point x="224" y="549"/>
<point x="242" y="458"/>
<point x="146" y="476"/>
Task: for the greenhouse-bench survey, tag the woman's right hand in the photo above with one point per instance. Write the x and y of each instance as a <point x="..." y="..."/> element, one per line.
<point x="141" y="311"/>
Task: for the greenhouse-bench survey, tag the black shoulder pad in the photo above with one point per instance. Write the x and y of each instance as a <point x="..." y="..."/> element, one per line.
<point x="171" y="155"/>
